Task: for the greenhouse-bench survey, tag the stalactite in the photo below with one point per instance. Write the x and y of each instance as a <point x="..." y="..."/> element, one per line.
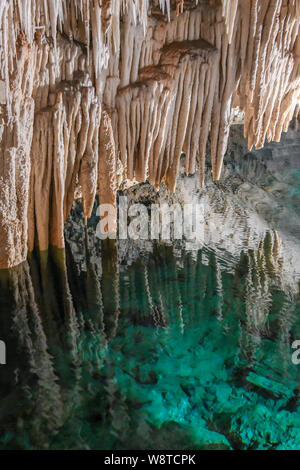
<point x="229" y="12"/>
<point x="107" y="166"/>
<point x="86" y="86"/>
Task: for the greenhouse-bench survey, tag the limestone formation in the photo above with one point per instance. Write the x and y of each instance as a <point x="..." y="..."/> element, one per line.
<point x="87" y="86"/>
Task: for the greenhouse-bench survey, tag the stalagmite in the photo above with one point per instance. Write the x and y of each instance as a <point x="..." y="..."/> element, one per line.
<point x="89" y="86"/>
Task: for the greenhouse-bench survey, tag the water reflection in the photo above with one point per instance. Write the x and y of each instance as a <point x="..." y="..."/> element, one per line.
<point x="31" y="404"/>
<point x="172" y="351"/>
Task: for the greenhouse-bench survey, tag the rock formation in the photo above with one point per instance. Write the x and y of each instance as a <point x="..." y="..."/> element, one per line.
<point x="93" y="88"/>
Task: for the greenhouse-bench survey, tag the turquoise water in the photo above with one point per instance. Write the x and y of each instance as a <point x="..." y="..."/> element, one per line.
<point x="175" y="351"/>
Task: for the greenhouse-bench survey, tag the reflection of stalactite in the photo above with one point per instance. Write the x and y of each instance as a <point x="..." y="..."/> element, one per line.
<point x="257" y="298"/>
<point x="158" y="289"/>
<point x="214" y="285"/>
<point x="29" y="374"/>
<point x="175" y="295"/>
<point x="150" y="301"/>
<point x="154" y="290"/>
<point x="219" y="291"/>
<point x="110" y="286"/>
<point x="95" y="308"/>
<point x="82" y="383"/>
<point x="264" y="266"/>
<point x="55" y="299"/>
<point x="44" y="318"/>
<point x="60" y="320"/>
<point x="258" y="281"/>
<point x="271" y="247"/>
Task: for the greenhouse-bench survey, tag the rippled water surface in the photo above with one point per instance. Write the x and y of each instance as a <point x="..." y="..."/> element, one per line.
<point x="156" y="346"/>
<point x="172" y="352"/>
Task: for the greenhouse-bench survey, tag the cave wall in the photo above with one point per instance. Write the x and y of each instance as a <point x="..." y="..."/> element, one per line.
<point x="96" y="92"/>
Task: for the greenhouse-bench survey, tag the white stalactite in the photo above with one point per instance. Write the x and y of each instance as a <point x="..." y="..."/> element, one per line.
<point x="159" y="74"/>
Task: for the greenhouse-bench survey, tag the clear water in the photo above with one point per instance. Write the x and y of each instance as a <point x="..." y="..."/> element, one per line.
<point x="171" y="352"/>
<point x="149" y="346"/>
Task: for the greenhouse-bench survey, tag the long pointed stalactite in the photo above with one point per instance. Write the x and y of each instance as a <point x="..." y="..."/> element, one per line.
<point x="91" y="87"/>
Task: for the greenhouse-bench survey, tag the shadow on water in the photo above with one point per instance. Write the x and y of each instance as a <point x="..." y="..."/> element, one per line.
<point x="172" y="352"/>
